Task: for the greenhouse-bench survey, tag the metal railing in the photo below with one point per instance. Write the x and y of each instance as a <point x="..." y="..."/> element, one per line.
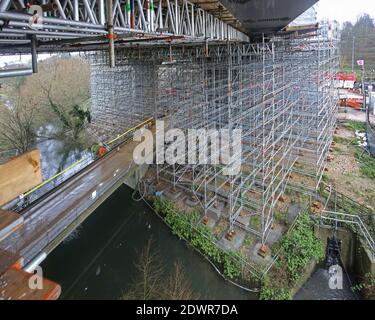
<point x="331" y="216"/>
<point x="339" y="208"/>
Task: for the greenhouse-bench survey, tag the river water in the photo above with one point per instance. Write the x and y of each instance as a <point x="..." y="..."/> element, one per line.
<point x="97" y="260"/>
<point x="317" y="288"/>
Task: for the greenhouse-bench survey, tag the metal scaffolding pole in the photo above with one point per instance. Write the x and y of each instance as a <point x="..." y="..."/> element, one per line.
<point x="279" y="91"/>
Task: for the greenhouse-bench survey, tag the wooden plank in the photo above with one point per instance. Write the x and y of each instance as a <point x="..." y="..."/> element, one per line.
<point x="14" y="285"/>
<point x="19" y="175"/>
<point x="9" y="222"/>
<point x="7" y="259"/>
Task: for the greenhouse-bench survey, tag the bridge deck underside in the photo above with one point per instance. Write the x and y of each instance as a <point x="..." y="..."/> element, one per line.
<point x="77" y="23"/>
<point x="73" y="24"/>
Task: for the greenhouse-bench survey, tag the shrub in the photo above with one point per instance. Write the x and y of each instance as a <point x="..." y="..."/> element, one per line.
<point x="200" y="236"/>
<point x="297" y="250"/>
<point x="367" y="163"/>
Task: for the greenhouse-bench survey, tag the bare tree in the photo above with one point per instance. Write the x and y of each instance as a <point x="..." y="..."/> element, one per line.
<point x="150" y="269"/>
<point x="153" y="284"/>
<point x="178" y="286"/>
<point x="57" y="94"/>
<point x="360" y="38"/>
<point x="17" y="124"/>
<point x="62" y="85"/>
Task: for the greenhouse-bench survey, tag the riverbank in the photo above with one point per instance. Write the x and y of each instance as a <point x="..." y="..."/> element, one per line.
<point x="297" y="252"/>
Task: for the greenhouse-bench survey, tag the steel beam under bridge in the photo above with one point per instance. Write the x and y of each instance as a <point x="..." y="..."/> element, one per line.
<point x="194" y="20"/>
<point x="72" y="19"/>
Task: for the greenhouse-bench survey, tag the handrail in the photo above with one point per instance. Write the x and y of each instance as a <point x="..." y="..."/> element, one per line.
<point x="127" y="131"/>
<point x="81" y="160"/>
<point x="350" y="218"/>
<point x="54" y="177"/>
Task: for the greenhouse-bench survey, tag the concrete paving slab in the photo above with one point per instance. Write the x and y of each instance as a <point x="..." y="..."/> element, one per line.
<point x="191" y="202"/>
<point x="293" y="212"/>
<point x="244" y="218"/>
<point x="212" y="220"/>
<point x="275" y="234"/>
<point x="236" y="242"/>
<point x="255" y="257"/>
<point x="172" y="194"/>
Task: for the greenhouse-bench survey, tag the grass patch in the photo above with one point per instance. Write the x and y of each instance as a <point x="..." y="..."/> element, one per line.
<point x="355" y="125"/>
<point x="367" y="163"/>
<point x="281" y="217"/>
<point x="249" y="241"/>
<point x="255" y="222"/>
<point x="341" y="140"/>
<point x="357" y="72"/>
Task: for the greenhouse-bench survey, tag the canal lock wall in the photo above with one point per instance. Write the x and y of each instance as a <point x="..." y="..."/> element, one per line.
<point x="356" y="257"/>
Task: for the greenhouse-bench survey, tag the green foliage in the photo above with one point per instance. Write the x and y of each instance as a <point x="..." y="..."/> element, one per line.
<point x="356" y="126"/>
<point x="248" y="241"/>
<point x="60" y="113"/>
<point x="288" y="191"/>
<point x="357" y="71"/>
<point x="79" y="117"/>
<point x="325" y="178"/>
<point x="200" y="236"/>
<point x="255" y="222"/>
<point x="95" y="149"/>
<point x="341" y="140"/>
<point x="281" y="217"/>
<point x="297" y="250"/>
<point x="271" y="292"/>
<point x="231" y="265"/>
<point x="366" y="287"/>
<point x="301" y="246"/>
<point x="367" y="163"/>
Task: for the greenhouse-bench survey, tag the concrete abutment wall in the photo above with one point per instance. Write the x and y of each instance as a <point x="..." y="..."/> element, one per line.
<point x="356" y="258"/>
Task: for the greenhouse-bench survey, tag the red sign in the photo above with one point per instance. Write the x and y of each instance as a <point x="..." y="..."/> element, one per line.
<point x="351" y="77"/>
<point x="340" y="76"/>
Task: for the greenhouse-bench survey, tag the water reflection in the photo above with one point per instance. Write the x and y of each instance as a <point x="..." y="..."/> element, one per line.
<point x="317" y="288"/>
<point x="58" y="153"/>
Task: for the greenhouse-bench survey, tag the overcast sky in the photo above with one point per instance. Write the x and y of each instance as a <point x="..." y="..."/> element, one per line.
<point x="344" y="10"/>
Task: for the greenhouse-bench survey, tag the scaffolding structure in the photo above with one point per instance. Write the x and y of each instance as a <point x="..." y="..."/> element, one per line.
<point x="73" y="19"/>
<point x="279" y="92"/>
<point x="121" y="96"/>
<point x="319" y="59"/>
